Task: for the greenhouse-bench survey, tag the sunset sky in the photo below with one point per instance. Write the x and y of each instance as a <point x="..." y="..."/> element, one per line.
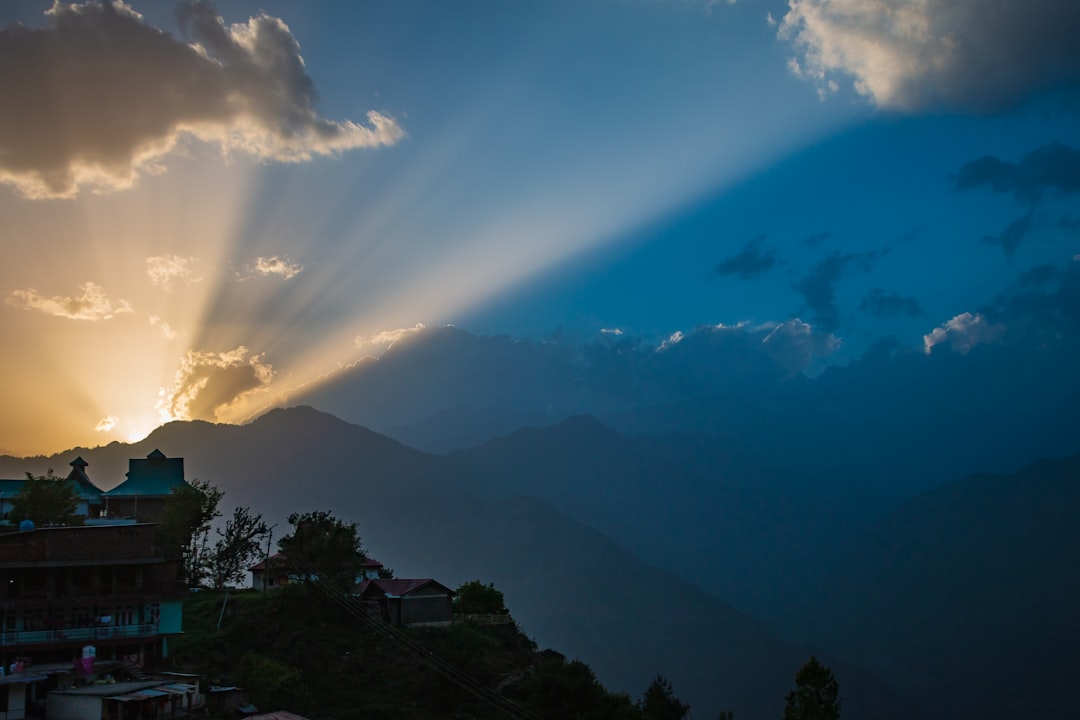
<point x="207" y="207"/>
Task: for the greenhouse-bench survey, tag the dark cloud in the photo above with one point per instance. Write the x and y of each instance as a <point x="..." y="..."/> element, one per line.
<point x="816" y="240"/>
<point x="886" y="304"/>
<point x="1010" y="238"/>
<point x="1039" y="276"/>
<point x="1050" y="167"/>
<point x="1068" y="223"/>
<point x="922" y="55"/>
<point x="751" y="261"/>
<point x="100" y="96"/>
<point x="819" y="287"/>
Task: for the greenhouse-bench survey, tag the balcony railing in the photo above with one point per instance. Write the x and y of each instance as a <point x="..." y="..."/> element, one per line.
<point x="82" y="634"/>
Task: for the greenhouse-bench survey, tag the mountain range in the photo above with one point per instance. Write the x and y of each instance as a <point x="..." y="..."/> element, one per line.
<point x="674" y="554"/>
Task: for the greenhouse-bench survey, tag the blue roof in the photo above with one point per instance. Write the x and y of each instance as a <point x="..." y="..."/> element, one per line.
<point x="157" y="475"/>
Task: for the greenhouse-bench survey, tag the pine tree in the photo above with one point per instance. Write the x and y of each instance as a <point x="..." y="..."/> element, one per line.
<point x="815" y="696"/>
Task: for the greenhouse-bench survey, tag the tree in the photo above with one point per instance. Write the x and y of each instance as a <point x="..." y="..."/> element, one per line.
<point x="476" y="598"/>
<point x="46" y="499"/>
<point x="185" y="526"/>
<point x="659" y="702"/>
<point x="815" y="696"/>
<point x="323" y="547"/>
<point x="237" y="545"/>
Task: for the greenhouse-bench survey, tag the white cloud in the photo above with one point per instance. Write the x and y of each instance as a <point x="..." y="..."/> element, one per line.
<point x="163" y="270"/>
<point x="674" y="339"/>
<point x="387" y="338"/>
<point x="92" y="305"/>
<point x="963" y="332"/>
<point x="209" y="383"/>
<point x="611" y="331"/>
<point x="165" y="328"/>
<point x="275" y="265"/>
<point x="916" y="55"/>
<point x="101" y="97"/>
<point x="794" y="345"/>
<point x="107" y="424"/>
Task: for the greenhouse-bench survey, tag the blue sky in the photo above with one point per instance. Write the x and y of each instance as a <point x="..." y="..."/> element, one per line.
<point x="532" y="168"/>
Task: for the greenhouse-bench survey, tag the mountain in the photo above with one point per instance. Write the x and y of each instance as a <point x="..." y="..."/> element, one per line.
<point x="570" y="586"/>
<point x="901" y="420"/>
<point x="969" y="593"/>
<point x="726" y="518"/>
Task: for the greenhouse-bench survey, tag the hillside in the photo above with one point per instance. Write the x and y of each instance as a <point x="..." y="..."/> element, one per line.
<point x="296" y="649"/>
<point x="969" y="592"/>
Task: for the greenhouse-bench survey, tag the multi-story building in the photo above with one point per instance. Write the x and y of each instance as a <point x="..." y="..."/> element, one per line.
<point x="103" y="590"/>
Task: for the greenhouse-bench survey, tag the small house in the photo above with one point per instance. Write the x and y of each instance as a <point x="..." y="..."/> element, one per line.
<point x="404" y="602"/>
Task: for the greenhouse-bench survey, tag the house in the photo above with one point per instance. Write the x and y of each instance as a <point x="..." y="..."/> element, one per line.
<point x="89" y="494"/>
<point x="148" y="485"/>
<point x="133" y="699"/>
<point x="76" y="596"/>
<point x="404" y="602"/>
<point x="275" y="571"/>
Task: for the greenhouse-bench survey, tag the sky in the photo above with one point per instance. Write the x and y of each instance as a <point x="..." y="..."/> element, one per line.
<point x="209" y="207"/>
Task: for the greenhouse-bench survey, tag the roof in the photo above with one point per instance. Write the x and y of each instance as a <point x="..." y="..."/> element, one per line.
<point x="87" y="489"/>
<point x="157" y="475"/>
<point x="398" y="587"/>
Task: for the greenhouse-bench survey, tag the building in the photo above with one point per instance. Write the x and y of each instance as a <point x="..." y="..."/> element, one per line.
<point x="403" y="602"/>
<point x="81" y="602"/>
<point x="148" y="485"/>
<point x="275" y="571"/>
<point x="89" y="505"/>
<point x="73" y="596"/>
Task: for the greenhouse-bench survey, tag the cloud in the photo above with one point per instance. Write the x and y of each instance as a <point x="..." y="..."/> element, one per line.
<point x="1050" y="167"/>
<point x="163" y="270"/>
<point x="751" y="261"/>
<point x="1039" y="276"/>
<point x="92" y="305"/>
<point x="880" y="303"/>
<point x="674" y="339"/>
<point x="793" y="345"/>
<point x="1010" y="238"/>
<point x="819" y="287"/>
<point x="963" y="332"/>
<point x="106" y="424"/>
<point x="165" y="328"/>
<point x="275" y="265"/>
<point x="815" y="240"/>
<point x="923" y="55"/>
<point x="611" y="331"/>
<point x="101" y="97"/>
<point x="209" y="383"/>
<point x="387" y="338"/>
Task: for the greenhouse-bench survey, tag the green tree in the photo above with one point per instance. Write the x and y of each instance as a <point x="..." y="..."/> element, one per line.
<point x="816" y="694"/>
<point x="659" y="702"/>
<point x="46" y="499"/>
<point x="324" y="547"/>
<point x="273" y="685"/>
<point x="185" y="526"/>
<point x="476" y="598"/>
<point x="237" y="545"/>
